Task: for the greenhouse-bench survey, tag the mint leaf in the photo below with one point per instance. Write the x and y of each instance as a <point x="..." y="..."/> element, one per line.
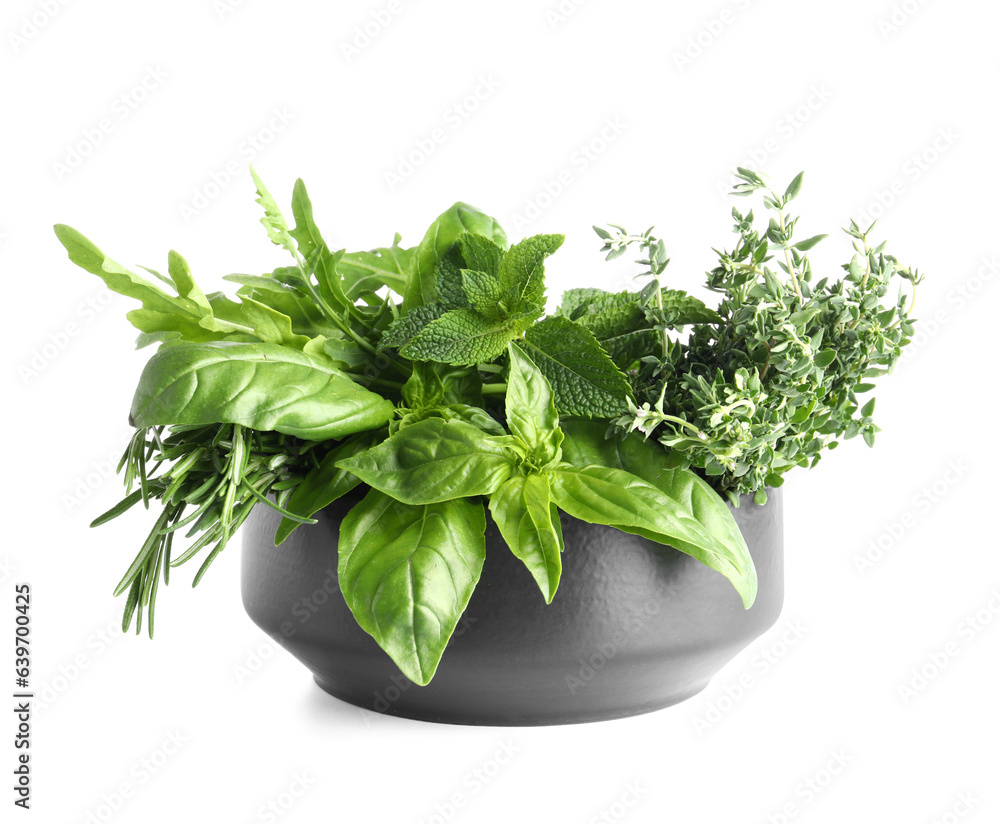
<point x="448" y="274"/>
<point x="585" y="380"/>
<point x="461" y="337"/>
<point x="522" y="272"/>
<point x="575" y="301"/>
<point x="483" y="292"/>
<point x="421" y="282"/>
<point x="681" y="309"/>
<point x="481" y="254"/>
<point x="402" y="330"/>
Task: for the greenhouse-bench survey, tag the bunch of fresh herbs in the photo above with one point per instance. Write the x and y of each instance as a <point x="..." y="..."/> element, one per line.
<point x="431" y="378"/>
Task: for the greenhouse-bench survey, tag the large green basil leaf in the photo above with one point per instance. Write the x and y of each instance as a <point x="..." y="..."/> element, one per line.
<point x="421" y="284"/>
<point x="529" y="523"/>
<point x="408" y="572"/>
<point x="322" y="485"/>
<point x="603" y="495"/>
<point x="586" y="445"/>
<point x="531" y="409"/>
<point x="432" y="461"/>
<point x="259" y="385"/>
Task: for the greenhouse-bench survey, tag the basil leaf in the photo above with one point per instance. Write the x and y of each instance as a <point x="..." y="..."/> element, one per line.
<point x="432" y="461"/>
<point x="529" y="523"/>
<point x="323" y="485"/>
<point x="586" y="445"/>
<point x="531" y="410"/>
<point x="601" y="495"/>
<point x="408" y="572"/>
<point x="421" y="283"/>
<point x="585" y="380"/>
<point x="259" y="385"/>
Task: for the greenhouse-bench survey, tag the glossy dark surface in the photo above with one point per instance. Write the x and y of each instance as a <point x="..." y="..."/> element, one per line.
<point x="634" y="627"/>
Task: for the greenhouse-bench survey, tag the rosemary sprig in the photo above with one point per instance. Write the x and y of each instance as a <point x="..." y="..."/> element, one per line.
<point x="220" y="471"/>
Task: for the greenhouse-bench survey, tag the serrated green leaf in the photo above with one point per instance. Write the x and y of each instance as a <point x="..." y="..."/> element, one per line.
<point x="522" y="272"/>
<point x="402" y="330"/>
<point x="421" y="282"/>
<point x="483" y="292"/>
<point x="584" y="379"/>
<point x="575" y="301"/>
<point x="462" y="337"/>
<point x="480" y="253"/>
<point x="682" y="309"/>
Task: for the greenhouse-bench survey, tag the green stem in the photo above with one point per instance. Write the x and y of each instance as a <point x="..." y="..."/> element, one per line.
<point x="495" y="389"/>
<point x="788" y="257"/>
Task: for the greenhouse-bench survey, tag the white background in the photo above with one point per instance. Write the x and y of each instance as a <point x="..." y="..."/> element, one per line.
<point x="892" y="109"/>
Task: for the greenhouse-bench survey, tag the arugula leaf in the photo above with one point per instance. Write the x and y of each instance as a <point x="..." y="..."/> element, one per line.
<point x="432" y="461"/>
<point x="531" y="410"/>
<point x="366" y="272"/>
<point x="271" y="326"/>
<point x="323" y="485"/>
<point x="529" y="523"/>
<point x="183" y="280"/>
<point x="259" y="385"/>
<point x="190" y="315"/>
<point x="421" y="283"/>
<point x="408" y="572"/>
<point x="602" y="495"/>
<point x="585" y="380"/>
<point x="273" y="221"/>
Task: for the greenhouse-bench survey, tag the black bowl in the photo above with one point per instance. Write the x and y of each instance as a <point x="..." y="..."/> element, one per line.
<point x="634" y="627"/>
